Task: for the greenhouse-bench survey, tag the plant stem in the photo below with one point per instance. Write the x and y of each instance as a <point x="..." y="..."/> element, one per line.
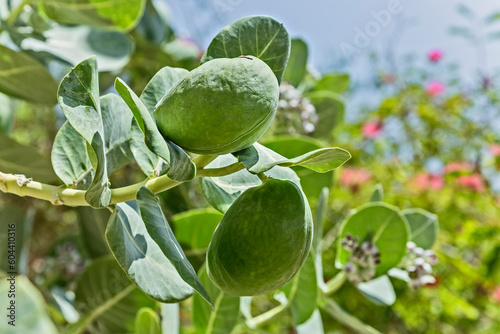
<point x="13" y="15"/>
<point x="346" y="319"/>
<point x="61" y="195"/>
<point x="202" y="161"/>
<point x="233" y="168"/>
<point x="335" y="283"/>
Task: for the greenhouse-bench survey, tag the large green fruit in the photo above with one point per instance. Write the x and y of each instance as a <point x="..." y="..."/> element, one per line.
<point x="223" y="106"/>
<point x="262" y="241"/>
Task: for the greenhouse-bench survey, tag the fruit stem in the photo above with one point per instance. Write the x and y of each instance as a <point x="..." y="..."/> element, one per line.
<point x="267" y="317"/>
<point x="202" y="161"/>
<point x="334" y="309"/>
<point x="335" y="283"/>
<point x="262" y="177"/>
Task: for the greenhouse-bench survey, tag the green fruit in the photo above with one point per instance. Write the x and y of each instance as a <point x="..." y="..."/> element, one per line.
<point x="223" y="106"/>
<point x="262" y="241"/>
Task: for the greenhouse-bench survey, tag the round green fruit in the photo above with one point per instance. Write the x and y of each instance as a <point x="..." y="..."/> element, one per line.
<point x="262" y="241"/>
<point x="223" y="106"/>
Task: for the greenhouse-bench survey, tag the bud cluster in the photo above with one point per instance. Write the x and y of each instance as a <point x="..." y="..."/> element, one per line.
<point x="363" y="261"/>
<point x="293" y="109"/>
<point x="418" y="263"/>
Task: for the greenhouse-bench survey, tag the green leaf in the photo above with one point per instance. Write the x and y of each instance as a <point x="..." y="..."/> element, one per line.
<point x="303" y="302"/>
<point x="99" y="194"/>
<point x="92" y="225"/>
<point x="297" y="63"/>
<point x="259" y="36"/>
<point x="148" y="162"/>
<point x="384" y="225"/>
<point x="156" y="88"/>
<point x="142" y="259"/>
<point x="69" y="157"/>
<point x="23" y="221"/>
<point x="25" y="78"/>
<point x="170" y="322"/>
<point x="110" y="14"/>
<point x="30" y="309"/>
<point x="181" y="166"/>
<point x="6" y="114"/>
<point x="313" y="325"/>
<point x="222" y="191"/>
<point x="147" y="322"/>
<point x="67" y="45"/>
<point x="107" y="298"/>
<point x="160" y="84"/>
<point x="330" y="110"/>
<point x="378" y="194"/>
<point x="292" y="146"/>
<point x="160" y="231"/>
<point x="224" y="316"/>
<point x="258" y="159"/>
<point x="424" y="227"/>
<point x="21" y="159"/>
<point x="333" y="82"/>
<point x="78" y="97"/>
<point x="196" y="227"/>
<point x="379" y="291"/>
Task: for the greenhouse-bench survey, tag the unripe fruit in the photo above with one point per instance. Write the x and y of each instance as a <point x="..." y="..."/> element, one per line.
<point x="262" y="241"/>
<point x="223" y="106"/>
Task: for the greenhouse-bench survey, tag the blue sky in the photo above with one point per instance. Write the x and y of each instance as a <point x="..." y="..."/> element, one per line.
<point x="326" y="25"/>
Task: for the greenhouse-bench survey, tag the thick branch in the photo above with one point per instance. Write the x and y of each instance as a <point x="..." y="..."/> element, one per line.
<point x="18" y="185"/>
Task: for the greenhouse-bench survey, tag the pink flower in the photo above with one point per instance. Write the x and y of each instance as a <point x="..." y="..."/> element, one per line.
<point x="496" y="294"/>
<point x="435" y="55"/>
<point x="458" y="166"/>
<point x="428" y="181"/>
<point x="434" y="88"/>
<point x="494" y="149"/>
<point x="354" y="178"/>
<point x="474" y="182"/>
<point x="372" y="129"/>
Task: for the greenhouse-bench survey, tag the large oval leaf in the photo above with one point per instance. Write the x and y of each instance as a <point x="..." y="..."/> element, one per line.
<point x="107" y="298"/>
<point x="424" y="227"/>
<point x="24" y="77"/>
<point x="196" y="227"/>
<point x="222" y="191"/>
<point x="111" y="14"/>
<point x="259" y="36"/>
<point x="296" y="68"/>
<point x="160" y="231"/>
<point x="156" y="88"/>
<point x="78" y="97"/>
<point x="384" y="225"/>
<point x="31" y="316"/>
<point x="21" y="159"/>
<point x="142" y="259"/>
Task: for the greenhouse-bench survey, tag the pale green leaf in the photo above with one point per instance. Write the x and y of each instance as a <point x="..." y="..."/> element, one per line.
<point x="259" y="36"/>
<point x="384" y="225"/>
<point x="160" y="231"/>
<point x="142" y="259"/>
<point x="296" y="68"/>
<point x="110" y="14"/>
<point x="24" y="77"/>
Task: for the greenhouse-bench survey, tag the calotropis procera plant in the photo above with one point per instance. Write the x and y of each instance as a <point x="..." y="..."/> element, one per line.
<point x="204" y="124"/>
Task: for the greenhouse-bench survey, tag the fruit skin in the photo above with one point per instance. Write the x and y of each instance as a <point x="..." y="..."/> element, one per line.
<point x="262" y="241"/>
<point x="223" y="106"/>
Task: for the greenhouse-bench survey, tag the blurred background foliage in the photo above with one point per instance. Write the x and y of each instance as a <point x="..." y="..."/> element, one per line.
<point x="431" y="143"/>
